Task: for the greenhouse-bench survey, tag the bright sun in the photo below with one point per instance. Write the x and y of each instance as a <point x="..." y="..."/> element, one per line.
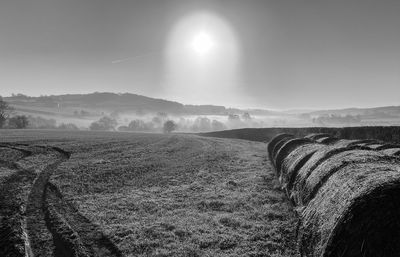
<point x="202" y="58"/>
<point x="202" y="43"/>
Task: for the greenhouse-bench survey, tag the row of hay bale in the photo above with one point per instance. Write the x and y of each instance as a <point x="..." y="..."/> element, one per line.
<point x="347" y="193"/>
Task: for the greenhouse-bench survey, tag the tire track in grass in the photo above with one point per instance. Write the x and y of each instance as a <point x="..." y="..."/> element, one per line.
<point x="13" y="192"/>
<point x="40" y="236"/>
<point x="90" y="236"/>
<point x="55" y="227"/>
<point x="9" y="159"/>
<point x="13" y="236"/>
<point x="34" y="219"/>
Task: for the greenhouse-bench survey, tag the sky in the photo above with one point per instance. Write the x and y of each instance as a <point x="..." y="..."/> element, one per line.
<point x="274" y="54"/>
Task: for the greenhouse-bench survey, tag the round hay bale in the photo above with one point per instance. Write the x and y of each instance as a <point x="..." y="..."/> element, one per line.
<point x="276" y="140"/>
<point x="373" y="146"/>
<point x="310" y="136"/>
<point x="372" y="142"/>
<point x="355" y="213"/>
<point x="387" y="146"/>
<point x="286" y="149"/>
<point x="322" y="138"/>
<point x="316" y="136"/>
<point x="344" y="142"/>
<point x="320" y="175"/>
<point x="294" y="161"/>
<point x="391" y="151"/>
<point x="353" y="142"/>
<point x="364" y="142"/>
<point x="327" y="140"/>
<point x="317" y="158"/>
<point x="278" y="146"/>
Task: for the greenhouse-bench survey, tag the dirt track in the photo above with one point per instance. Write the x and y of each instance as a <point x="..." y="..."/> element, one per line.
<point x="35" y="220"/>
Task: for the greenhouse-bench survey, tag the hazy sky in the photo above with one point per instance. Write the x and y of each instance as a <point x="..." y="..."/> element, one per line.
<point x="286" y="53"/>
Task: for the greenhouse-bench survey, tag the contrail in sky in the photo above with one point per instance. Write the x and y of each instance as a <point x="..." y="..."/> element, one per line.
<point x="134" y="57"/>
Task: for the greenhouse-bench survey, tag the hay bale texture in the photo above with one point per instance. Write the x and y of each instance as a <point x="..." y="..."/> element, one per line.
<point x="294" y="162"/>
<point x="356" y="213"/>
<point x="347" y="195"/>
<point x="278" y="146"/>
<point x="317" y="136"/>
<point x="391" y="151"/>
<point x="322" y="172"/>
<point x="364" y="142"/>
<point x="345" y="142"/>
<point x="318" y="157"/>
<point x="327" y="140"/>
<point x="374" y="146"/>
<point x="275" y="141"/>
<point x="286" y="149"/>
<point x="387" y="146"/>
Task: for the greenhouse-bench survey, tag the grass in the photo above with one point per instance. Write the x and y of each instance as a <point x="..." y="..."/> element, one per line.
<point x="174" y="195"/>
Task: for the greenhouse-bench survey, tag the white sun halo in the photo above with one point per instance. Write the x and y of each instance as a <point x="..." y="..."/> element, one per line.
<point x="202" y="43"/>
<point x="202" y="57"/>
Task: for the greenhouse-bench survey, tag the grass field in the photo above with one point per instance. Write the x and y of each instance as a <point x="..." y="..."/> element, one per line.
<point x="125" y="194"/>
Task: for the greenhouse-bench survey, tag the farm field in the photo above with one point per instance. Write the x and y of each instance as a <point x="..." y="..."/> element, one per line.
<point x="125" y="194"/>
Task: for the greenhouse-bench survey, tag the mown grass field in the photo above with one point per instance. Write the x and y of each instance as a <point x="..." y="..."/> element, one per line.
<point x="159" y="195"/>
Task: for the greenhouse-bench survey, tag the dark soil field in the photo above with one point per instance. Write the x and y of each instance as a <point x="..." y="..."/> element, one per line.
<point x="126" y="194"/>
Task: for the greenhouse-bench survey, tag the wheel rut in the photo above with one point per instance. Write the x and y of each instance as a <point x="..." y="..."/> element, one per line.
<point x="39" y="235"/>
<point x="36" y="220"/>
<point x="13" y="194"/>
<point x="92" y="241"/>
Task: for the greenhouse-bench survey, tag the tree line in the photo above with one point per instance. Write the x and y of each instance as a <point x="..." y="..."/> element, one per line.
<point x="161" y="122"/>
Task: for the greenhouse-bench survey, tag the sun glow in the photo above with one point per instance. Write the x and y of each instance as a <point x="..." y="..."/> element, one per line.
<point x="201" y="60"/>
<point x="202" y="43"/>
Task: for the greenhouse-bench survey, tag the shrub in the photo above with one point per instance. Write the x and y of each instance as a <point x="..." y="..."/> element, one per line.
<point x="41" y="123"/>
<point x="105" y="124"/>
<point x="68" y="126"/>
<point x="18" y="122"/>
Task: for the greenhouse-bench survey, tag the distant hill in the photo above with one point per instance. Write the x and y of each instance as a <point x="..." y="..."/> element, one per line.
<point x="376" y="112"/>
<point x="99" y="101"/>
<point x="127" y="103"/>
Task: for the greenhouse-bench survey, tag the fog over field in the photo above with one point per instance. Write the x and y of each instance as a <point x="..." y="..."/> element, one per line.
<point x="136" y="113"/>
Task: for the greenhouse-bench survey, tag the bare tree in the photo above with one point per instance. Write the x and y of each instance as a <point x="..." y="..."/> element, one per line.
<point x="169" y="126"/>
<point x="5" y="112"/>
